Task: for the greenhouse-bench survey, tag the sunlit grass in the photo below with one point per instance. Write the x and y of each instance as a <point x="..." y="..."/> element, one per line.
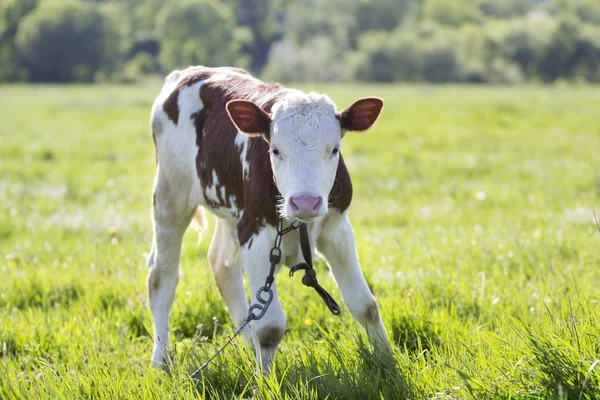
<point x="473" y="216"/>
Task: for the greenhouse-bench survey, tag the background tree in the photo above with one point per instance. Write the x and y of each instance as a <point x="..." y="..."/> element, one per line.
<point x="11" y="14"/>
<point x="557" y="58"/>
<point x="201" y="32"/>
<point x="66" y="41"/>
<point x="451" y="12"/>
<point x="495" y="41"/>
<point x="262" y="19"/>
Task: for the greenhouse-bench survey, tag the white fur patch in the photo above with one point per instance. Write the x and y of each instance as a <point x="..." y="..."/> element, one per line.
<point x="294" y="101"/>
<point x="211" y="191"/>
<point x="241" y="142"/>
<point x="232" y="200"/>
<point x="189" y="101"/>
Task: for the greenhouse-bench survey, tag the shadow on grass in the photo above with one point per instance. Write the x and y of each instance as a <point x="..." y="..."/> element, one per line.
<point x="324" y="370"/>
<point x="415" y="334"/>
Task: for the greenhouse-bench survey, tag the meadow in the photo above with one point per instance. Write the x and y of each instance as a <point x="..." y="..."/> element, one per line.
<point x="473" y="216"/>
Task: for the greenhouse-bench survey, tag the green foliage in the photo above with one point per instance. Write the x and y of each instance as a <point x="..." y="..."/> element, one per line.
<point x="289" y="62"/>
<point x="65" y="41"/>
<point x="394" y="57"/>
<point x="308" y="19"/>
<point x="586" y="58"/>
<point x="440" y="59"/>
<point x="493" y="41"/>
<point x="200" y="32"/>
<point x="504" y="8"/>
<point x="523" y="43"/>
<point x="142" y="64"/>
<point x="440" y="41"/>
<point x="11" y="14"/>
<point x="429" y="52"/>
<point x="556" y="59"/>
<point x="383" y="14"/>
<point x="586" y="10"/>
<point x="451" y="12"/>
<point x="260" y="17"/>
<point x="472" y="211"/>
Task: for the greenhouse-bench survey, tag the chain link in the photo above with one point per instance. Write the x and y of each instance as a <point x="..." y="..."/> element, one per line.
<point x="258" y="310"/>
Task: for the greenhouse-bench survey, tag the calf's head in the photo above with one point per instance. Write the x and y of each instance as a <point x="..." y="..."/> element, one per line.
<point x="304" y="135"/>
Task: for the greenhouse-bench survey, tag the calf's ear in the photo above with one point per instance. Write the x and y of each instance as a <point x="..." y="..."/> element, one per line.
<point x="249" y="118"/>
<point x="361" y="115"/>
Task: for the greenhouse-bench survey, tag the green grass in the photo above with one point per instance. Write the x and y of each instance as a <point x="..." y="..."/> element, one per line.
<point x="473" y="216"/>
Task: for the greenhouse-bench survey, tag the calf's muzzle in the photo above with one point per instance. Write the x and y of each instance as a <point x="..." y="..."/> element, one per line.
<point x="305" y="206"/>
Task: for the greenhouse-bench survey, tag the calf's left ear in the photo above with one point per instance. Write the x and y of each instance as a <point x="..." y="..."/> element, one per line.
<point x="249" y="118"/>
<point x="361" y="115"/>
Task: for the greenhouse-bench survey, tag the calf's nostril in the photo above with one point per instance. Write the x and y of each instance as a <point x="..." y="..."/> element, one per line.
<point x="294" y="205"/>
<point x="318" y="203"/>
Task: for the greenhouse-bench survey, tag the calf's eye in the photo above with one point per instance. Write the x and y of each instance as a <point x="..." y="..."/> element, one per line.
<point x="335" y="151"/>
<point x="275" y="152"/>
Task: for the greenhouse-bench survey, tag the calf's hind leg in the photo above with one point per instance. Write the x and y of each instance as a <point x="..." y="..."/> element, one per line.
<point x="224" y="259"/>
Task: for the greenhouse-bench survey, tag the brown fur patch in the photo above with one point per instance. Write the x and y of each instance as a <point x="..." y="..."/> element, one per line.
<point x="155" y="150"/>
<point x="153" y="280"/>
<point x="270" y="336"/>
<point x="371" y="314"/>
<point x="340" y="196"/>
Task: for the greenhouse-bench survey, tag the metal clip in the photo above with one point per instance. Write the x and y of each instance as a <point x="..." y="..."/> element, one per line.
<point x="275" y="257"/>
<point x="263" y="306"/>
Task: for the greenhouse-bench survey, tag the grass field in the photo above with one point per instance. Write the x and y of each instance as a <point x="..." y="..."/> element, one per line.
<point x="473" y="216"/>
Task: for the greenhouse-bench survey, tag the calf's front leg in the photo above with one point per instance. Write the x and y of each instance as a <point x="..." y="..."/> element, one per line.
<point x="268" y="331"/>
<point x="336" y="243"/>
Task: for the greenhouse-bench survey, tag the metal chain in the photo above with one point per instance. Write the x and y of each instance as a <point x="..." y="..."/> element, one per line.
<point x="193" y="376"/>
<point x="258" y="310"/>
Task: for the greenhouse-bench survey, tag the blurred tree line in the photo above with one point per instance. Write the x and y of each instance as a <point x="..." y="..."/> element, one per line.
<point x="496" y="41"/>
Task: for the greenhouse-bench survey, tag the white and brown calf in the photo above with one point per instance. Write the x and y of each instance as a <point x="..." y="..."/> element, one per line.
<point x="249" y="152"/>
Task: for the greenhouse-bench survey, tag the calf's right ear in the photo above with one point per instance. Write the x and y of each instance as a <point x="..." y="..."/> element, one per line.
<point x="249" y="118"/>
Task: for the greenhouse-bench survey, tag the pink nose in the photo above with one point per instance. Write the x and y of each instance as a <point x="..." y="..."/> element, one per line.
<point x="305" y="206"/>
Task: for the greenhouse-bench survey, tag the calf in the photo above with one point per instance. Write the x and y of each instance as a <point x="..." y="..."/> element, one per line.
<point x="250" y="153"/>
